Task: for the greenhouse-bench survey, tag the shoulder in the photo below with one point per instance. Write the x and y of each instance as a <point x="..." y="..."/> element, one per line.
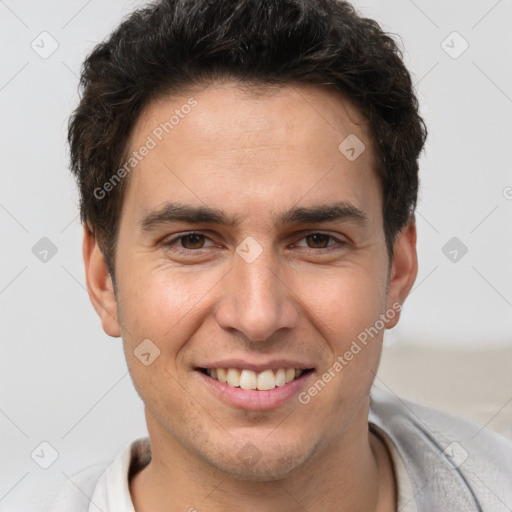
<point x="446" y="455"/>
<point x="74" y="495"/>
<point x="104" y="483"/>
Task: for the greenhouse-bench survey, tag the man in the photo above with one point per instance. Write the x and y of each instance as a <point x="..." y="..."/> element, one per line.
<point x="248" y="176"/>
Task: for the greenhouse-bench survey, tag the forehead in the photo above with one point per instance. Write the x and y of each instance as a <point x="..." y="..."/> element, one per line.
<point x="224" y="145"/>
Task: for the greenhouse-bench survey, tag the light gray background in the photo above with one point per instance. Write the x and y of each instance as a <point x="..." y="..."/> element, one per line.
<point x="65" y="382"/>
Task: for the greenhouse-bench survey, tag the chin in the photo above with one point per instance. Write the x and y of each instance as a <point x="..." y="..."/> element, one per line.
<point x="260" y="462"/>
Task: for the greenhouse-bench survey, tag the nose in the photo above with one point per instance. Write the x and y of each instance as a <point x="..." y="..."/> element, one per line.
<point x="256" y="300"/>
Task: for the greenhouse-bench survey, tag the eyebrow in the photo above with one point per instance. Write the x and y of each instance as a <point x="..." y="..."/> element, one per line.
<point x="178" y="212"/>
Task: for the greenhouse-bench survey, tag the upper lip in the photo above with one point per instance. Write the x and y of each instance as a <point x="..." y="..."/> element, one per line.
<point x="257" y="366"/>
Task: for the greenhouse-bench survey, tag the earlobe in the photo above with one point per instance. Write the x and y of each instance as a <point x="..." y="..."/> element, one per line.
<point x="404" y="270"/>
<point x="99" y="284"/>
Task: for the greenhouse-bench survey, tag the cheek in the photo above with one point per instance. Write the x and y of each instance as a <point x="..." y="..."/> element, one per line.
<point x="343" y="302"/>
<point x="164" y="304"/>
<point x="345" y="308"/>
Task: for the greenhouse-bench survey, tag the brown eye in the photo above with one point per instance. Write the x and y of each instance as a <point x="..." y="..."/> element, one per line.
<point x="188" y="244"/>
<point x="318" y="243"/>
<point x="318" y="240"/>
<point x="195" y="241"/>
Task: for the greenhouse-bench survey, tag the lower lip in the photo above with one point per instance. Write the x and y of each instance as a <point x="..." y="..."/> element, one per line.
<point x="253" y="399"/>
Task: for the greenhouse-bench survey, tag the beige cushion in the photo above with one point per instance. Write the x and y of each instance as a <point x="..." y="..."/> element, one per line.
<point x="476" y="385"/>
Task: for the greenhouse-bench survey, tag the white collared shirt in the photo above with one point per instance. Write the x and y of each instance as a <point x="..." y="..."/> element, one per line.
<point x="440" y="463"/>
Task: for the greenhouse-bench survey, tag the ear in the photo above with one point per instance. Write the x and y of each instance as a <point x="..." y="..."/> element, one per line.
<point x="404" y="270"/>
<point x="99" y="284"/>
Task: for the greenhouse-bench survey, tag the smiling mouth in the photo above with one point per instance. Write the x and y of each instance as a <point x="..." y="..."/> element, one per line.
<point x="248" y="379"/>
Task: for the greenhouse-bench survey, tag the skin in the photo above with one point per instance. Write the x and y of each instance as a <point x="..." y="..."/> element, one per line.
<point x="252" y="154"/>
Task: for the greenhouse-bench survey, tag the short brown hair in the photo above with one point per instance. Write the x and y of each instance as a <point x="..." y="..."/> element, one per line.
<point x="170" y="45"/>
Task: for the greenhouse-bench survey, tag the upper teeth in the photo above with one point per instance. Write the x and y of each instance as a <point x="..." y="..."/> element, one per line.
<point x="247" y="379"/>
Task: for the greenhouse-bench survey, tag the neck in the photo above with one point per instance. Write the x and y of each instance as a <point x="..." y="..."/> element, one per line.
<point x="355" y="474"/>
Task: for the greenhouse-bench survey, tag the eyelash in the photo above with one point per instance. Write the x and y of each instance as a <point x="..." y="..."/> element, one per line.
<point x="171" y="243"/>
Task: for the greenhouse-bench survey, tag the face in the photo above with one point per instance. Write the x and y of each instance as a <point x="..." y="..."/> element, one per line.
<point x="248" y="240"/>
